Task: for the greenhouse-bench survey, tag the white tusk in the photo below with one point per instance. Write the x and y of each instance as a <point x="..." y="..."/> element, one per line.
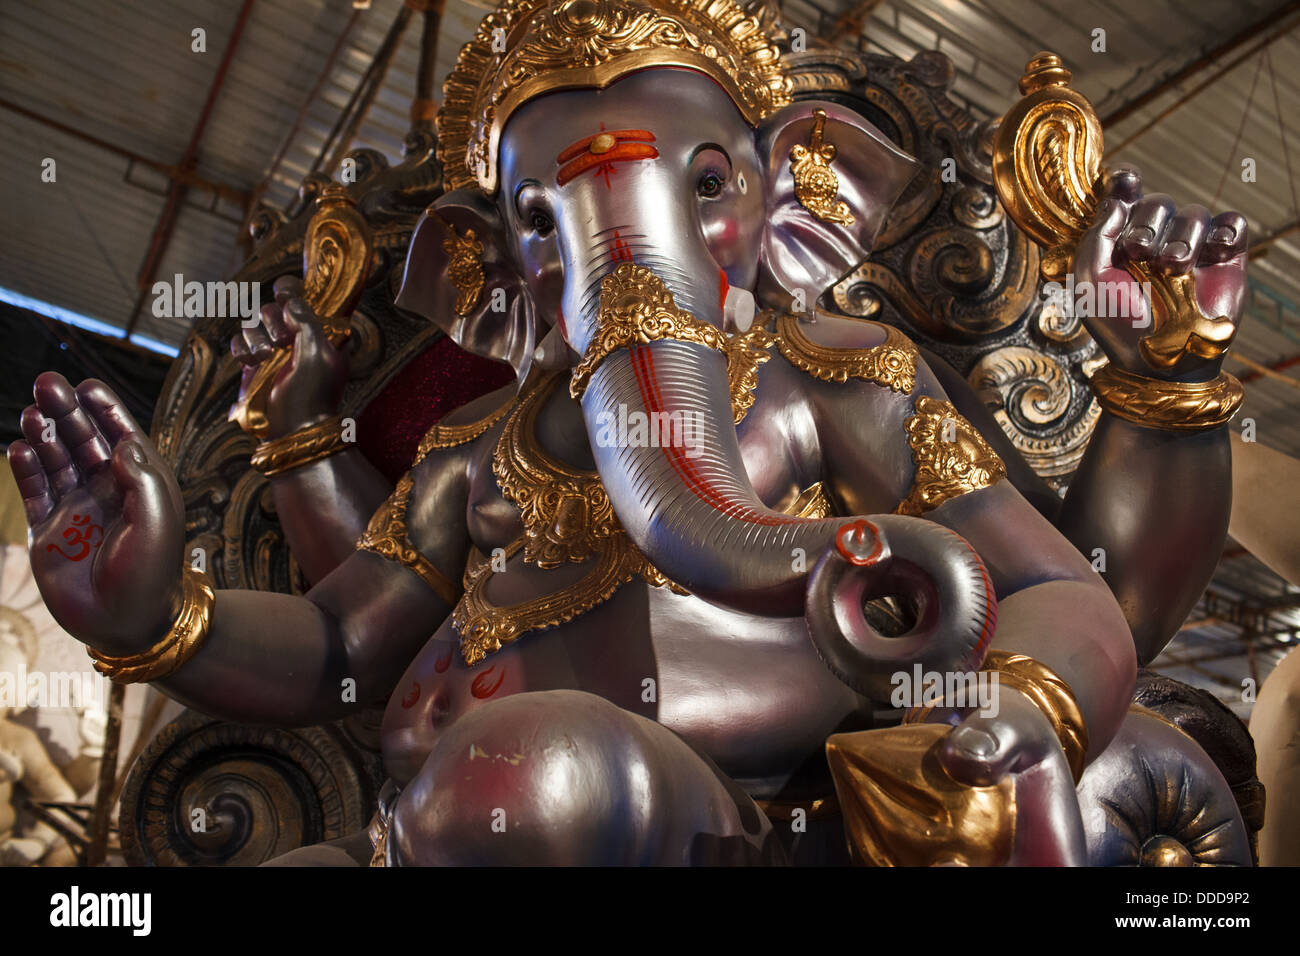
<point x="552" y="352"/>
<point x="738" y="310"/>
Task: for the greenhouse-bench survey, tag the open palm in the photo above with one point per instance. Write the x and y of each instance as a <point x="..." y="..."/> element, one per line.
<point x="105" y="517"/>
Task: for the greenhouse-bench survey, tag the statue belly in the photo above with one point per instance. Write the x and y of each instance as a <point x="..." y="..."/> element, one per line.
<point x="748" y="692"/>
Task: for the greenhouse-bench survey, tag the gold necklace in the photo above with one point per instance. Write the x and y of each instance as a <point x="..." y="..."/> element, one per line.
<point x="567" y="517"/>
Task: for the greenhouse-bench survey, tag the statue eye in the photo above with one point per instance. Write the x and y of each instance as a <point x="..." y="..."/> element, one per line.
<point x="541" y="223"/>
<point x="710" y="185"/>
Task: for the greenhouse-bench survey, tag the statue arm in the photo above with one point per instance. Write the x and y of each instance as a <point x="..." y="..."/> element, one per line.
<point x="324" y="502"/>
<point x="324" y="506"/>
<point x="280" y="659"/>
<point x="1130" y="491"/>
<point x="283" y="660"/>
<point x="1051" y="605"/>
<point x="1153" y="505"/>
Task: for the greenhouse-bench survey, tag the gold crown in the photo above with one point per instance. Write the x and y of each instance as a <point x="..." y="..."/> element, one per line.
<point x="531" y="47"/>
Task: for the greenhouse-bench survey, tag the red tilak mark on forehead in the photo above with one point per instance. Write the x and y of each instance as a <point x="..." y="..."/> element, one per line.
<point x="578" y="158"/>
<point x="618" y="135"/>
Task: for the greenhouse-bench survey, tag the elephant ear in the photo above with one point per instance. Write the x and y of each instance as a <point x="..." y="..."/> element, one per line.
<point x="443" y="266"/>
<point x="801" y="250"/>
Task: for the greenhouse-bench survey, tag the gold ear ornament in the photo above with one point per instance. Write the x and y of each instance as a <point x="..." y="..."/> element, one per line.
<point x="465" y="270"/>
<point x="815" y="183"/>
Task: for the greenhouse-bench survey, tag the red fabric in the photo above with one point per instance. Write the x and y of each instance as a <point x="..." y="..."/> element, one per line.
<point x="441" y="378"/>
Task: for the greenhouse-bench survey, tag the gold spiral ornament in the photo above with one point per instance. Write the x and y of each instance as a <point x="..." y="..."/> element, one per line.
<point x="336" y="257"/>
<point x="1048" y="173"/>
<point x="1047" y="162"/>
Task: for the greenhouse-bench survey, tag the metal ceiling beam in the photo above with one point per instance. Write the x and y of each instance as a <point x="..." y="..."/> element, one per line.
<point x="423" y="106"/>
<point x="1206" y="59"/>
<point x="1260" y="370"/>
<point x="324" y="75"/>
<point x="175" y="173"/>
<point x="349" y="121"/>
<point x="1253" y="617"/>
<point x="1259" y="249"/>
<point x="162" y="233"/>
<point x="1279" y="30"/>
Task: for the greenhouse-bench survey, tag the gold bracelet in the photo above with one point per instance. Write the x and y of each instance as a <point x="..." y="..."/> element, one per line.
<point x="178" y="645"/>
<point x="299" y="448"/>
<point x="1051" y="695"/>
<point x="1171" y="406"/>
<point x="637" y="308"/>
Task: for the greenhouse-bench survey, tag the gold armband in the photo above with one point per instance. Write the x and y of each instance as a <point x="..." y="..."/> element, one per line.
<point x="299" y="448"/>
<point x="178" y="645"/>
<point x="951" y="457"/>
<point x="1051" y="695"/>
<point x="1170" y="406"/>
<point x="636" y="308"/>
<point x="386" y="536"/>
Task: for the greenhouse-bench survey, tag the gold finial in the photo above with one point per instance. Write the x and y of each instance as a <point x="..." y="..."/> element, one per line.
<point x="815" y="183"/>
<point x="1044" y="70"/>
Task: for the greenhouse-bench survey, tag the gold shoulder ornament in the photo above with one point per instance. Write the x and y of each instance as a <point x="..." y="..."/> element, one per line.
<point x="952" y="458"/>
<point x="892" y="364"/>
<point x="449" y="436"/>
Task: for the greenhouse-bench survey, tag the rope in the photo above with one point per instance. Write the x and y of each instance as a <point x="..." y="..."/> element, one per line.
<point x="1281" y="131"/>
<point x="1245" y="114"/>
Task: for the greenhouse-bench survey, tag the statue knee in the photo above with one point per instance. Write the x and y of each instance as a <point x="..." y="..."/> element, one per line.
<point x="1155" y="798"/>
<point x="567" y="778"/>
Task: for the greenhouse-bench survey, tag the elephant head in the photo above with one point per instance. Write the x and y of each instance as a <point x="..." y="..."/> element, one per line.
<point x="652" y="184"/>
<point x="659" y="169"/>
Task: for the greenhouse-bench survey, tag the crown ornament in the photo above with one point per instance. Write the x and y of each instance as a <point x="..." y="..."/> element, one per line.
<point x="528" y="48"/>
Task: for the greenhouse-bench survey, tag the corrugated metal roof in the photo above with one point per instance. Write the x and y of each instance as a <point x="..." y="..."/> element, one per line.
<point x="125" y="73"/>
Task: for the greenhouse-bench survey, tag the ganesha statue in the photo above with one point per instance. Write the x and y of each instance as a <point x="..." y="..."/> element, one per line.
<point x="660" y="599"/>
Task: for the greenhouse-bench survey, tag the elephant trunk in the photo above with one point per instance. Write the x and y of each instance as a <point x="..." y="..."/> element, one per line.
<point x="684" y="498"/>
